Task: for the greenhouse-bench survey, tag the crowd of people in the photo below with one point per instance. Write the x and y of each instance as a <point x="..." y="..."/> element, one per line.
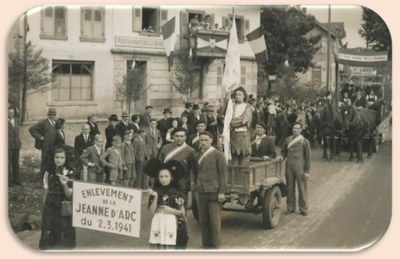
<point x="141" y="151"/>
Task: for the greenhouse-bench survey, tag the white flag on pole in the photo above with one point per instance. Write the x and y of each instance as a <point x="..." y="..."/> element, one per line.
<point x="230" y="81"/>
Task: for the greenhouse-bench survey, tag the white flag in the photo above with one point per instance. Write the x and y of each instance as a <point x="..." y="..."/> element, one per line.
<point x="230" y="81"/>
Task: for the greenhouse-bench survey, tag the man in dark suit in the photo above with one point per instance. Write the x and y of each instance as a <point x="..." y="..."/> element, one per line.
<point x="146" y="117"/>
<point x="83" y="140"/>
<point x="180" y="151"/>
<point x="45" y="134"/>
<point x="211" y="125"/>
<point x="359" y="102"/>
<point x="262" y="145"/>
<point x="92" y="121"/>
<point x="91" y="159"/>
<point x="165" y="124"/>
<point x="188" y="109"/>
<point x="111" y="130"/>
<point x="210" y="184"/>
<point x="124" y="124"/>
<point x="153" y="140"/>
<point x="194" y="139"/>
<point x="14" y="145"/>
<point x="193" y="118"/>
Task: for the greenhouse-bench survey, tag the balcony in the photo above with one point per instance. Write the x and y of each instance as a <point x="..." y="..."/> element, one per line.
<point x="209" y="43"/>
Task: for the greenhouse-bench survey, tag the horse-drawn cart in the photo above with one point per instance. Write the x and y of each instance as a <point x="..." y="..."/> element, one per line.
<point x="255" y="187"/>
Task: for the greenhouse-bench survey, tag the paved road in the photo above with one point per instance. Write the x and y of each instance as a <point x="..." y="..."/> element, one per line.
<point x="350" y="207"/>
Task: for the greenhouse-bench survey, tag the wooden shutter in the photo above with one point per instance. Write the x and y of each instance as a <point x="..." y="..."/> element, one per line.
<point x="184" y="37"/>
<point x="157" y="27"/>
<point x="48" y="20"/>
<point x="246" y="27"/>
<point x="137" y="18"/>
<point x="219" y="75"/>
<point x="163" y="17"/>
<point x="98" y="23"/>
<point x="87" y="18"/>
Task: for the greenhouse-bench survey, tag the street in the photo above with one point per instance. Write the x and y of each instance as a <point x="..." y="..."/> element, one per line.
<point x="350" y="208"/>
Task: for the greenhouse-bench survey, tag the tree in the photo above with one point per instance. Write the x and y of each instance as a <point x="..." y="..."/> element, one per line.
<point x="375" y="31"/>
<point x="36" y="73"/>
<point x="133" y="84"/>
<point x="287" y="39"/>
<point x="188" y="75"/>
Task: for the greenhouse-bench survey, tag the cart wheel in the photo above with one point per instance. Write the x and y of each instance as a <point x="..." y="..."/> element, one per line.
<point x="195" y="210"/>
<point x="272" y="207"/>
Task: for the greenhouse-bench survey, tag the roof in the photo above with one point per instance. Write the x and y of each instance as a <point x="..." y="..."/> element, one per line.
<point x="336" y="28"/>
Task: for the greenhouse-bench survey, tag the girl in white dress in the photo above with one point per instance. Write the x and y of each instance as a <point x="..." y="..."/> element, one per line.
<point x="165" y="203"/>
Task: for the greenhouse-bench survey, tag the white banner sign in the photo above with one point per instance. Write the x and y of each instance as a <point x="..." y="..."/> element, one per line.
<point x="107" y="208"/>
<point x="139" y="42"/>
<point x="362" y="58"/>
<point x="364" y="71"/>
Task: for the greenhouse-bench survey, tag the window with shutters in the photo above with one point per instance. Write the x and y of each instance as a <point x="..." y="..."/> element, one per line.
<point x="148" y="20"/>
<point x="242" y="26"/>
<point x="53" y="23"/>
<point x="73" y="81"/>
<point x="92" y="24"/>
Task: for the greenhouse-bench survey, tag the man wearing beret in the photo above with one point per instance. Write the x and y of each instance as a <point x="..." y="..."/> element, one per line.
<point x="180" y="151"/>
<point x="210" y="184"/>
<point x="45" y="135"/>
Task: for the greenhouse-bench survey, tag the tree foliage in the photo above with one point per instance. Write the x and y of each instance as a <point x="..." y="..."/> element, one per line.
<point x="375" y="31"/>
<point x="188" y="73"/>
<point x="37" y="73"/>
<point x="287" y="39"/>
<point x="133" y="84"/>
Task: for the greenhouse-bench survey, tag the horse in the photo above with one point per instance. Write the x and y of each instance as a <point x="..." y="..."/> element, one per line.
<point x="360" y="124"/>
<point x="330" y="123"/>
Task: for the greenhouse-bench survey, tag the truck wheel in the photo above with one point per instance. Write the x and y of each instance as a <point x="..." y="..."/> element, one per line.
<point x="272" y="207"/>
<point x="195" y="210"/>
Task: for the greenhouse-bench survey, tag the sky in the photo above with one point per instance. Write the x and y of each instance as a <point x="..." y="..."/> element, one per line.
<point x="351" y="15"/>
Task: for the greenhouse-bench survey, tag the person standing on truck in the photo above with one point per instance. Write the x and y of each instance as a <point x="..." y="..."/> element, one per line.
<point x="297" y="151"/>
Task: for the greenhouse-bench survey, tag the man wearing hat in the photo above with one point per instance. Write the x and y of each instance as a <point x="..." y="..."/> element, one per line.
<point x="188" y="109"/>
<point x="180" y="151"/>
<point x="194" y="139"/>
<point x="146" y="117"/>
<point x="45" y="135"/>
<point x="124" y="124"/>
<point x="111" y="130"/>
<point x="262" y="145"/>
<point x="193" y="118"/>
<point x="165" y="124"/>
<point x="211" y="124"/>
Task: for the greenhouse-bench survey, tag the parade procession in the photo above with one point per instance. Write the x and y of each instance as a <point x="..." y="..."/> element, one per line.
<point x="149" y="128"/>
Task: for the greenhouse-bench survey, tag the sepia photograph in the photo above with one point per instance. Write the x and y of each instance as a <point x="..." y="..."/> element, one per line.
<point x="187" y="128"/>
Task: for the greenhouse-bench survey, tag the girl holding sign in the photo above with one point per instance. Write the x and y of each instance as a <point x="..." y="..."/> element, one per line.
<point x="168" y="226"/>
<point x="57" y="230"/>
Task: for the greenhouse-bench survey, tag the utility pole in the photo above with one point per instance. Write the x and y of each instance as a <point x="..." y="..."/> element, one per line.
<point x="328" y="68"/>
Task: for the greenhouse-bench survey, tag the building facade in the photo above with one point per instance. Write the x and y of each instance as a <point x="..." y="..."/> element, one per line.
<point x="316" y="76"/>
<point x="91" y="49"/>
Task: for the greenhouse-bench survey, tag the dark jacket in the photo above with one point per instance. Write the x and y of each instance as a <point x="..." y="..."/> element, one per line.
<point x="121" y="128"/>
<point x="14" y="142"/>
<point x="265" y="148"/>
<point x="80" y="145"/>
<point x="163" y="126"/>
<point x="94" y="129"/>
<point x="211" y="175"/>
<point x="47" y="131"/>
<point x="110" y="133"/>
